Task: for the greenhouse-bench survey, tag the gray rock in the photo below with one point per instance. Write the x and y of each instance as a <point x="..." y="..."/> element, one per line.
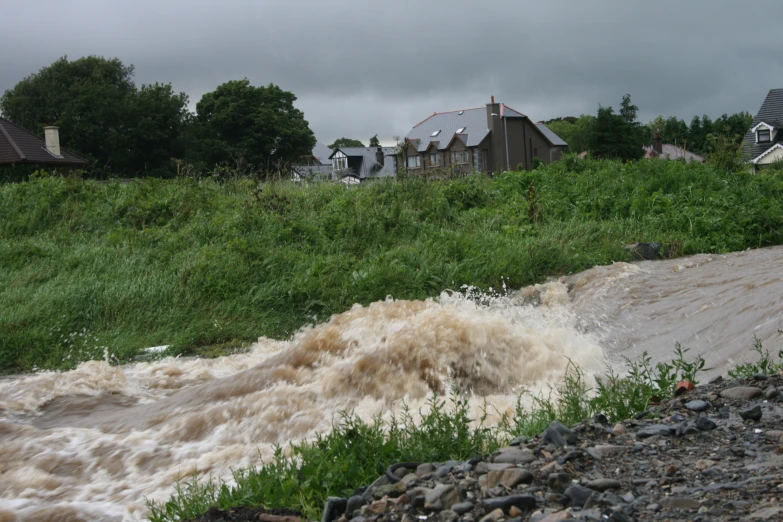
<point x="448" y="516"/>
<point x="578" y="495"/>
<point x="390" y="490"/>
<point x="462" y="507"/>
<point x="680" y="503"/>
<point x="705" y="424"/>
<point x="354" y="503"/>
<point x="333" y="508"/>
<point x="518" y="441"/>
<point x="512" y="455"/>
<point x="558" y="481"/>
<point x="425" y="469"/>
<point x="744" y="393"/>
<point x="602" y="484"/>
<point x="653" y="507"/>
<point x="603" y="500"/>
<point x="443" y="496"/>
<point x="653" y="430"/>
<point x="566" y="436"/>
<point x="520" y="501"/>
<point x="380" y="481"/>
<point x="771" y="392"/>
<point x="553" y="438"/>
<point x="752" y="414"/>
<point x="697" y="405"/>
<point x="604" y="450"/>
<point x="482" y="468"/>
<point x="509" y="478"/>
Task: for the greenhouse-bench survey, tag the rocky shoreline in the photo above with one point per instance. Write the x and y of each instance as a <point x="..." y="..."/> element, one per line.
<point x="714" y="453"/>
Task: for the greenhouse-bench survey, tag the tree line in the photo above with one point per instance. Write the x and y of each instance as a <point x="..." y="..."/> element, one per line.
<point x="148" y="131"/>
<point x="621" y="135"/>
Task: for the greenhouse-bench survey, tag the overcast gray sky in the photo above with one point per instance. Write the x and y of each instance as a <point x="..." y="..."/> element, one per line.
<point x="360" y="67"/>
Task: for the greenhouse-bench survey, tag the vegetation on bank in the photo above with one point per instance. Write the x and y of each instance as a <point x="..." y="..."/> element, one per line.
<point x="356" y="452"/>
<point x="89" y="268"/>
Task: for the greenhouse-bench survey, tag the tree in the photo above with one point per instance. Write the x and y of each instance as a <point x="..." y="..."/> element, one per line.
<point x="620" y="135"/>
<point x="256" y="125"/>
<point x="100" y="112"/>
<point x="574" y="131"/>
<point x="345" y="142"/>
<point x="374" y="142"/>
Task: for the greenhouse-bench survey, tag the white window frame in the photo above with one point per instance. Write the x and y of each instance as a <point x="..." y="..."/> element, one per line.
<point x="339" y="161"/>
<point x="413" y="160"/>
<point x="758" y="136"/>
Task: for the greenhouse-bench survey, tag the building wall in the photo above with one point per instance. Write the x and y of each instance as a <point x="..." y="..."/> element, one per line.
<point x="775" y="155"/>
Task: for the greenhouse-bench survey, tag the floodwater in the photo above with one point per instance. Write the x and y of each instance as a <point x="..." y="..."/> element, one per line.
<point x="95" y="442"/>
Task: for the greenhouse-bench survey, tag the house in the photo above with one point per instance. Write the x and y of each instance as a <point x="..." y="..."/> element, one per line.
<point x="316" y="167"/>
<point x="661" y="150"/>
<point x="21" y="147"/>
<point x="353" y="165"/>
<point x="491" y="138"/>
<point x="763" y="140"/>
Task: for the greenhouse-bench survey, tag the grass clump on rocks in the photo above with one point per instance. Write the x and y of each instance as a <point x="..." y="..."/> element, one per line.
<point x="302" y="476"/>
<point x="93" y="269"/>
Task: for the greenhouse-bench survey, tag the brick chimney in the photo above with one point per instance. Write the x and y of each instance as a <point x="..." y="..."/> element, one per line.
<point x="52" y="135"/>
<point x="657" y="144"/>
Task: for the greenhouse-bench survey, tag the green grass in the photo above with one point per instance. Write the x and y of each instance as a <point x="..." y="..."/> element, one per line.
<point x="355" y="453"/>
<point x="88" y="267"/>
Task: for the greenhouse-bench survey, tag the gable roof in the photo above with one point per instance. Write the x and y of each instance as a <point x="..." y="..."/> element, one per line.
<point x="448" y="123"/>
<point x="771" y="113"/>
<point x="18" y="145"/>
<point x="369" y="160"/>
<point x="553" y="138"/>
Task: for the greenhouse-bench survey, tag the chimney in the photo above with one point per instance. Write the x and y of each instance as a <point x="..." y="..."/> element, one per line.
<point x="657" y="144"/>
<point x="52" y="135"/>
<point x="379" y="156"/>
<point x="493" y="99"/>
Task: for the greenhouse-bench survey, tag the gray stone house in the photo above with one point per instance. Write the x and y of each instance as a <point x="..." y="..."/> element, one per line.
<point x="492" y="138"/>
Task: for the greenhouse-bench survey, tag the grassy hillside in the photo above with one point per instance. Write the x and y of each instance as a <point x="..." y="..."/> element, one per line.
<point x="88" y="266"/>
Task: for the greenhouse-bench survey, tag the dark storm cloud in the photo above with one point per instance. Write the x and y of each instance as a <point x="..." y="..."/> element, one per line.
<point x="360" y="68"/>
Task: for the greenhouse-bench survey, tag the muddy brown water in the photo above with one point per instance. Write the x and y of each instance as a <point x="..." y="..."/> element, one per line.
<point x="95" y="442"/>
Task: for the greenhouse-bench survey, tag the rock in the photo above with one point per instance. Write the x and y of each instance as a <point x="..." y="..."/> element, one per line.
<point x="696" y="405"/>
<point x="760" y="377"/>
<point x="653" y="507"/>
<point x="524" y="502"/>
<point x="680" y="503"/>
<point x="509" y="478"/>
<point x="560" y="516"/>
<point x="602" y="484"/>
<point x="705" y="424"/>
<point x="558" y="481"/>
<point x="604" y="450"/>
<point x="389" y="490"/>
<point x="767" y="513"/>
<point x="410" y="479"/>
<point x="383" y="480"/>
<point x="703" y="464"/>
<point x="443" y="496"/>
<point x="462" y="507"/>
<point x="512" y="455"/>
<point x="518" y="441"/>
<point x="619" y="429"/>
<point x="515" y="512"/>
<point x="653" y="430"/>
<point x="378" y="507"/>
<point x="354" y="503"/>
<point x="744" y="393"/>
<point x="333" y="508"/>
<point x="644" y="251"/>
<point x="493" y="516"/>
<point x="448" y="516"/>
<point x="424" y="469"/>
<point x="578" y="495"/>
<point x="558" y="434"/>
<point x="482" y="468"/>
<point x="771" y="392"/>
<point x="752" y="414"/>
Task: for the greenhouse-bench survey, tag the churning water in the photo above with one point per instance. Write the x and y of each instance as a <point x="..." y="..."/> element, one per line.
<point x="93" y="443"/>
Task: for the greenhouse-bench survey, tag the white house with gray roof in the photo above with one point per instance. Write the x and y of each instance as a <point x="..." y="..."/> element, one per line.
<point x="764" y="140"/>
<point x="491" y="138"/>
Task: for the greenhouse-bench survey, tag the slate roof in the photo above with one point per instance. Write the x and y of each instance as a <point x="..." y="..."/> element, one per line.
<point x="771" y="112"/>
<point x="18" y="145"/>
<point x="553" y="138"/>
<point x="321" y="152"/>
<point x="369" y="166"/>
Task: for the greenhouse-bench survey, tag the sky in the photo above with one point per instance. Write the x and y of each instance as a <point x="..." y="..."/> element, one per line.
<point x="360" y="68"/>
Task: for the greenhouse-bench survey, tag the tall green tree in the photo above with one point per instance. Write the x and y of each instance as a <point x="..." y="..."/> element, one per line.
<point x="258" y="126"/>
<point x="100" y="112"/>
<point x="374" y="141"/>
<point x="574" y="131"/>
<point x="345" y="142"/>
<point x="619" y="135"/>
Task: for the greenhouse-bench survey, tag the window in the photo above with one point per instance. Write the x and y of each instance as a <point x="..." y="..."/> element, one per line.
<point x="435" y="133"/>
<point x="435" y="160"/>
<point x="460" y="113"/>
<point x="461" y="130"/>
<point x="535" y="152"/>
<point x="414" y="162"/>
<point x="340" y="162"/>
<point x="763" y="135"/>
<point x="459" y="158"/>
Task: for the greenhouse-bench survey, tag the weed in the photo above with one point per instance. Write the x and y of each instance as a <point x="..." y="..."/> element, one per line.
<point x="765" y="365"/>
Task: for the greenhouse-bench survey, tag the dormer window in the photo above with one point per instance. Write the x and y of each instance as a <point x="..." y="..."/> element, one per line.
<point x="763" y="136"/>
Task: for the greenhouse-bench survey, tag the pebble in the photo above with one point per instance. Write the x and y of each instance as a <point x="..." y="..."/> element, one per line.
<point x="741" y="392"/>
<point x="653" y="430"/>
<point x="752" y="414"/>
<point x="503" y="503"/>
<point x="771" y="392"/>
<point x="603" y="484"/>
<point x="512" y="455"/>
<point x="680" y="503"/>
<point x="696" y="405"/>
<point x="578" y="495"/>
